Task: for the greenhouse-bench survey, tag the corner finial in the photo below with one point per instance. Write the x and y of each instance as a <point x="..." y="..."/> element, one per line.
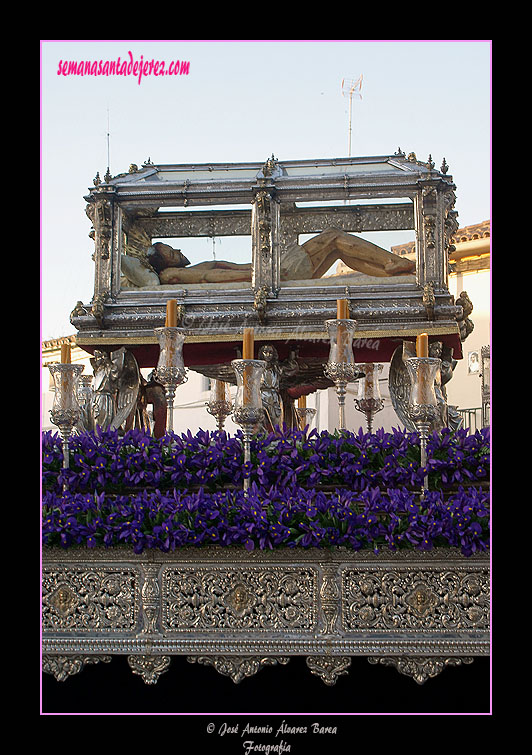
<point x="269" y="166"/>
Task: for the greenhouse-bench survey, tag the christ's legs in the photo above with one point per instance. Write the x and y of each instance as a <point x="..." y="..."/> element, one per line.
<point x="327" y="247"/>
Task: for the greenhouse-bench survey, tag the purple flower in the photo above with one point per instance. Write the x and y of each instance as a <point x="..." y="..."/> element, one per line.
<point x="184" y="490"/>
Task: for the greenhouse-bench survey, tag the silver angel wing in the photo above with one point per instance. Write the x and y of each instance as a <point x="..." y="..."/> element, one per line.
<point x="399" y="385"/>
<point x="128" y="385"/>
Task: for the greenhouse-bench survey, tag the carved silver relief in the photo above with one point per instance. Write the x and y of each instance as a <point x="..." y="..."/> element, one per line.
<point x="150" y="599"/>
<point x="87" y="599"/>
<point x="239" y="667"/>
<point x="419" y="669"/>
<point x="264" y="239"/>
<point x="237" y="608"/>
<point x="149" y="667"/>
<point x="328" y="668"/>
<point x="64" y="666"/>
<point x="259" y="599"/>
<point x="415" y="600"/>
<point x="430" y="225"/>
<point x="330" y="599"/>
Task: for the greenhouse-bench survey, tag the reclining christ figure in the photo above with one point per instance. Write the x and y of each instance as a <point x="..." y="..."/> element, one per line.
<point x="308" y="261"/>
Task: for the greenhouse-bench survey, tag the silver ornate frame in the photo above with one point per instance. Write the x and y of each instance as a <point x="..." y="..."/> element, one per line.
<point x="404" y="193"/>
<point x="239" y="611"/>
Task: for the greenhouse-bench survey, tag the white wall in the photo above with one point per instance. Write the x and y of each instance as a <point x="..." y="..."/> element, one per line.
<point x="464" y="390"/>
<point x="190" y="412"/>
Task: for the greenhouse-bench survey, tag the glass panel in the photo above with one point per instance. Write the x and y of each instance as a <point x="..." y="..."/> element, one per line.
<point x="217" y="260"/>
<point x="210" y="253"/>
<point x="349" y="258"/>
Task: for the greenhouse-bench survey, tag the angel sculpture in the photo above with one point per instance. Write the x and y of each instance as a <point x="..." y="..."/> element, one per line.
<point x="270" y="387"/>
<point x="101" y="409"/>
<point x="278" y="406"/>
<point x="120" y="395"/>
<point x="465" y="325"/>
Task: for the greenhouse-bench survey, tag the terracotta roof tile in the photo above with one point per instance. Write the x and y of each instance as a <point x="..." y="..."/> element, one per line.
<point x="467" y="233"/>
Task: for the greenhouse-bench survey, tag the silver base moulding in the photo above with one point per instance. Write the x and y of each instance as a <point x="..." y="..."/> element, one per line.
<point x="239" y="611"/>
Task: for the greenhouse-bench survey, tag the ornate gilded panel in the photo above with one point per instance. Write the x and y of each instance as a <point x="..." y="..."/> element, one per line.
<point x="415" y="599"/>
<point x="90" y="599"/>
<point x="261" y="598"/>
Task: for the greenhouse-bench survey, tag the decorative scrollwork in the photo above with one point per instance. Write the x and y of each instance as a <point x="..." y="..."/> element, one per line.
<point x="341" y="371"/>
<point x="260" y="302"/>
<point x="330" y="599"/>
<point x="85" y="599"/>
<point x="328" y="668"/>
<point x="149" y="667"/>
<point x="429" y="299"/>
<point x="210" y="599"/>
<point x="64" y="666"/>
<point x="413" y="599"/>
<point x="239" y="611"/>
<point x="420" y="669"/>
<point x="248" y="415"/>
<point x="237" y="667"/>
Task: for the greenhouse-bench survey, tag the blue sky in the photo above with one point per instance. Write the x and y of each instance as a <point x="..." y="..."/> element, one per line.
<point x="243" y="101"/>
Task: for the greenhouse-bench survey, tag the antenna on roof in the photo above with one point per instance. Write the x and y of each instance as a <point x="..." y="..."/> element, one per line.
<point x="108" y="143"/>
<point x="351" y="88"/>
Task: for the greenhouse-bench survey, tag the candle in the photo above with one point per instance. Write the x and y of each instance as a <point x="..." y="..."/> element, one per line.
<point x="368" y="380"/>
<point x="65" y="378"/>
<point x="422" y="345"/>
<point x="342" y="309"/>
<point x="248" y="350"/>
<point x="342" y="313"/>
<point x="65" y="353"/>
<point x="302" y="402"/>
<point x="422" y="350"/>
<point x="219" y="390"/>
<point x="171" y="313"/>
<point x="248" y="347"/>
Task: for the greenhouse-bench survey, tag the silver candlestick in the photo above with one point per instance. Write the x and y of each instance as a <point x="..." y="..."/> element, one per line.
<point x="341" y="367"/>
<point x="84" y="392"/>
<point x="423" y="402"/>
<point x="220" y="404"/>
<point x="304" y="416"/>
<point x="170" y="370"/>
<point x="65" y="411"/>
<point x="248" y="411"/>
<point x="369" y="400"/>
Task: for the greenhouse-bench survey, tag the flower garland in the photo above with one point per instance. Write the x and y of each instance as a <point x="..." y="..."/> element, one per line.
<point x="137" y="490"/>
<point x="270" y="517"/>
<point x="108" y="461"/>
